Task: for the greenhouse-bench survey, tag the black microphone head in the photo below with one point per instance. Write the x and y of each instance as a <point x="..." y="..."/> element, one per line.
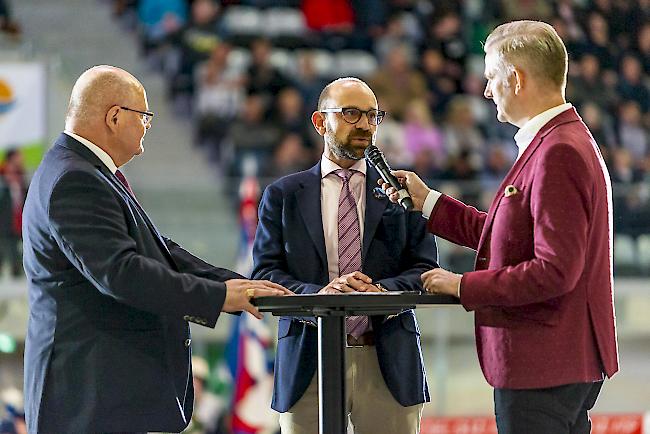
<point x="375" y="156"/>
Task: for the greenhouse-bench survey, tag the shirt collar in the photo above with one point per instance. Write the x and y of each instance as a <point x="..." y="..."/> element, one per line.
<point x="99" y="152"/>
<point x="529" y="130"/>
<point x="327" y="166"/>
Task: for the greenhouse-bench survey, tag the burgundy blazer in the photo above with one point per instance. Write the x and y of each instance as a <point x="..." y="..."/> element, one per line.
<point x="542" y="289"/>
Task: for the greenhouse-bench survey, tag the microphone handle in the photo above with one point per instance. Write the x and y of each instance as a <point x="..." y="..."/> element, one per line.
<point x="404" y="198"/>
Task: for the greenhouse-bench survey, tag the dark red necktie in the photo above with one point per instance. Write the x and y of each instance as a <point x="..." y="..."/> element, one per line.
<point x="124" y="182"/>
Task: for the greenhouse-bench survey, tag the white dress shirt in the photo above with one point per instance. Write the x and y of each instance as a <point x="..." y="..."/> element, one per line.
<point x="99" y="152"/>
<point x="330" y="191"/>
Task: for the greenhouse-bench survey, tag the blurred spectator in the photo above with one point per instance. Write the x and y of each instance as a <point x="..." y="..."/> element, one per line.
<point x="446" y="36"/>
<point x="397" y="83"/>
<point x="13" y="188"/>
<point x="289" y="113"/>
<point x="423" y="140"/>
<point x="441" y="86"/>
<point x="631" y="134"/>
<point x="525" y="9"/>
<point x="643" y="47"/>
<point x="263" y="78"/>
<point x="394" y="35"/>
<point x="309" y="83"/>
<point x="601" y="129"/>
<point x="598" y="41"/>
<point x="7" y="24"/>
<point x="290" y="156"/>
<point x="588" y="84"/>
<point x="219" y="97"/>
<point x="195" y="43"/>
<point x="462" y="135"/>
<point x="251" y="134"/>
<point x="160" y="19"/>
<point x="630" y="85"/>
<point x="390" y="139"/>
<point x="631" y="201"/>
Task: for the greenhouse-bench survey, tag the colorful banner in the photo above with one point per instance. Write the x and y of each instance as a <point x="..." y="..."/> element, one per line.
<point x="634" y="423"/>
<point x="23" y="119"/>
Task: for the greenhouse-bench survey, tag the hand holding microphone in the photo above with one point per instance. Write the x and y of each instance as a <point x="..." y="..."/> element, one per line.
<point x="405" y="188"/>
<point x="376" y="158"/>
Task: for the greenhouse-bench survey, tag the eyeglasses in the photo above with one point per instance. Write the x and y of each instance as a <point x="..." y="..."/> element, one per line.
<point x="147" y="117"/>
<point x="352" y="115"/>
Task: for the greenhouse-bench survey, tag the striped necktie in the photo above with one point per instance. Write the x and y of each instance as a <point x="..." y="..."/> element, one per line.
<point x="350" y="245"/>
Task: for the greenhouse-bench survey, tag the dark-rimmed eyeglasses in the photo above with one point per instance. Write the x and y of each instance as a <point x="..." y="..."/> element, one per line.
<point x="147" y="117"/>
<point x="352" y="115"/>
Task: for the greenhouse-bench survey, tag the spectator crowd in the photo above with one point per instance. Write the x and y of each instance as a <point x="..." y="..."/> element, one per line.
<point x="248" y="74"/>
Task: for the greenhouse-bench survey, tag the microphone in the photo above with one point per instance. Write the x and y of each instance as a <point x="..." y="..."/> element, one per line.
<point x="376" y="158"/>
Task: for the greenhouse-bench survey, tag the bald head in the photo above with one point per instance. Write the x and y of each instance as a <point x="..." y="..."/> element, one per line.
<point x="339" y="85"/>
<point x="98" y="89"/>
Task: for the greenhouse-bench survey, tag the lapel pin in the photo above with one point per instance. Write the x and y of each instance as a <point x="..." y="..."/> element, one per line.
<point x="378" y="193"/>
<point x="510" y="190"/>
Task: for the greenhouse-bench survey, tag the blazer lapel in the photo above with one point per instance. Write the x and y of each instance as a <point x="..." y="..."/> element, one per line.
<point x="309" y="207"/>
<point x="567" y="116"/>
<point x="374" y="210"/>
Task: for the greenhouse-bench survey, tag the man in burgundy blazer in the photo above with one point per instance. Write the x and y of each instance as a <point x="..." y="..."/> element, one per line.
<point x="542" y="286"/>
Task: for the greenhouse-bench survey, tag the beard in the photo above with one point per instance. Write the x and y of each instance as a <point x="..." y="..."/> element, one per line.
<point x="344" y="149"/>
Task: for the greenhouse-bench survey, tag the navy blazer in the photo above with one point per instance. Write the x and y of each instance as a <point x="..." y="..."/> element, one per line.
<point x="108" y="343"/>
<point x="289" y="249"/>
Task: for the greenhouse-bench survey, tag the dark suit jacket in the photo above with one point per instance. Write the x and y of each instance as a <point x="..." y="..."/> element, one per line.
<point x="108" y="343"/>
<point x="290" y="249"/>
<point x="542" y="289"/>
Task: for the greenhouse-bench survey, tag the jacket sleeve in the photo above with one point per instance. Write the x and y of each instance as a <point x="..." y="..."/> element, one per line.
<point x="91" y="229"/>
<point x="560" y="234"/>
<point x="190" y="264"/>
<point x="456" y="222"/>
<point x="268" y="249"/>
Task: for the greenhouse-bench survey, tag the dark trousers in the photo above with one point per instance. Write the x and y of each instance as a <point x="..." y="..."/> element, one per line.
<point x="557" y="410"/>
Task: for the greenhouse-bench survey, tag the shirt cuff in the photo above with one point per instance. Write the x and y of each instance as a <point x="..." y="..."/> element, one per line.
<point x="458" y="291"/>
<point x="429" y="203"/>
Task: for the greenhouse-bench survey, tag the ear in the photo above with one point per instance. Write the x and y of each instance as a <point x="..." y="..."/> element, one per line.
<point x="112" y="119"/>
<point x="519" y="80"/>
<point x="318" y="120"/>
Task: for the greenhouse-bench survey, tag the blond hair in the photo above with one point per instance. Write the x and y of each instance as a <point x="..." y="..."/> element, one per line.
<point x="533" y="45"/>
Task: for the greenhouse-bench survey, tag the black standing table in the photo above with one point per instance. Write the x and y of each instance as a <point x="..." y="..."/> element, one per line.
<point x="330" y="311"/>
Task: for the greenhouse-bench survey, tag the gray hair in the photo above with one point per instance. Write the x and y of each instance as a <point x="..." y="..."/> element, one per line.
<point x="535" y="45"/>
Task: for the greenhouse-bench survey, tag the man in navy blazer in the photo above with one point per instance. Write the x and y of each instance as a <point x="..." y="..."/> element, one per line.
<point x="108" y="341"/>
<point x="297" y="245"/>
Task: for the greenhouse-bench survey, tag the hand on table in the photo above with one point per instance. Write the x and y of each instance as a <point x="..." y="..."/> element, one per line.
<point x="439" y="281"/>
<point x="240" y="291"/>
<point x="356" y="281"/>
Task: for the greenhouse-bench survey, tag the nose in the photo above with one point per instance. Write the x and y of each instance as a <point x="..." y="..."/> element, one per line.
<point x="487" y="92"/>
<point x="363" y="123"/>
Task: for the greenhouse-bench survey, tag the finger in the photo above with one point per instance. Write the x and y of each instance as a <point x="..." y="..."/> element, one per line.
<point x="265" y="292"/>
<point x="401" y="173"/>
<point x="373" y="288"/>
<point x="272" y="284"/>
<point x="359" y="275"/>
<point x="253" y="311"/>
<point x="346" y="288"/>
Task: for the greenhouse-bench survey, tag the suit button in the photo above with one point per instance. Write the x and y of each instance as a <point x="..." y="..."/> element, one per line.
<point x="482" y="259"/>
<point x="188" y="342"/>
